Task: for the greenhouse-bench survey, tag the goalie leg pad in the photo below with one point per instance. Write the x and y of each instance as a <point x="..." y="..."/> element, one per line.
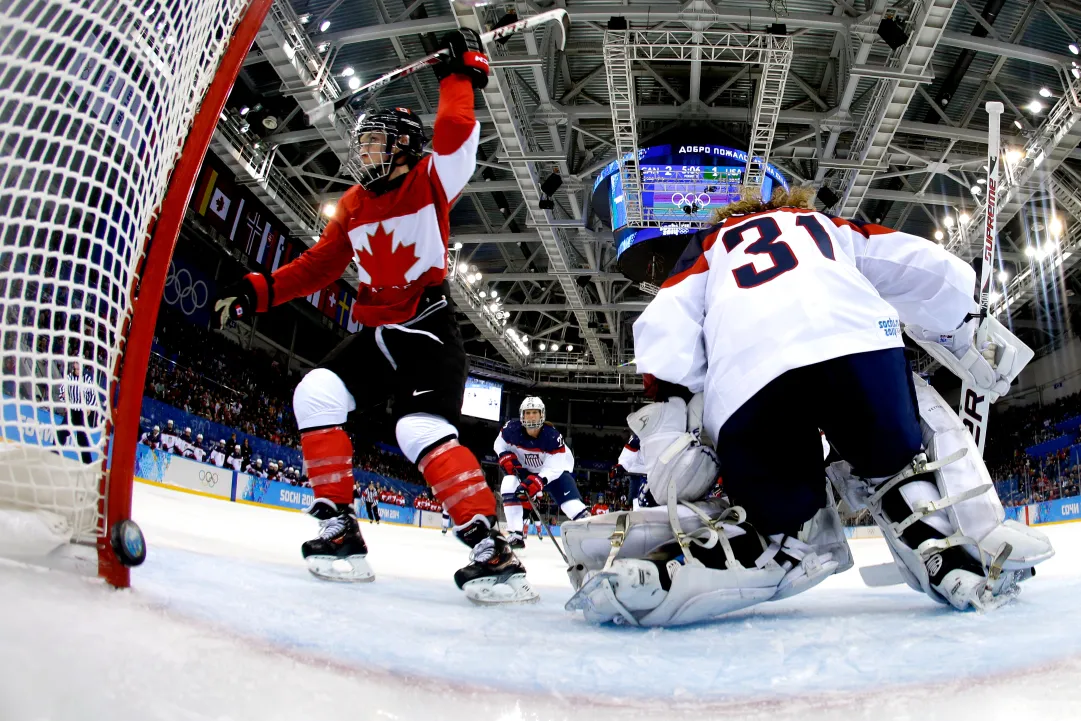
<point x="672" y="450"/>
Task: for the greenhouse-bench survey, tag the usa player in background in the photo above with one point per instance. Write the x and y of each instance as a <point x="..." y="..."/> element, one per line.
<point x="629" y="466"/>
<point x="534" y="459"/>
<point x="394" y="224"/>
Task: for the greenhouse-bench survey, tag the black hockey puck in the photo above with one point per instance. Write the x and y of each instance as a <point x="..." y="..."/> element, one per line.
<point x="128" y="543"/>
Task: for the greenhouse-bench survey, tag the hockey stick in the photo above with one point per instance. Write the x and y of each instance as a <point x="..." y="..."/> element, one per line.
<point x="329" y="108"/>
<point x="545" y="525"/>
<point x="975" y="407"/>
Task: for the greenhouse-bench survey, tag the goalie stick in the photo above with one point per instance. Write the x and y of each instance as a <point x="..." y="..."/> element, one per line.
<point x="329" y="108"/>
<point x="975" y="406"/>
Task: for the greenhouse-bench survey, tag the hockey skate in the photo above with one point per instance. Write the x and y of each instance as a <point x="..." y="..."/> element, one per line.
<point x="338" y="553"/>
<point x="494" y="574"/>
<point x="516" y="540"/>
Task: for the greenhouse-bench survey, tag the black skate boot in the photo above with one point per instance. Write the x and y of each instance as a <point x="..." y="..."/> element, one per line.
<point x="494" y="575"/>
<point x="516" y="540"/>
<point x="338" y="554"/>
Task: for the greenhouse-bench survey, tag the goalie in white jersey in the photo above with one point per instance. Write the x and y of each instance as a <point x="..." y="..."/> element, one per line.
<point x="778" y="322"/>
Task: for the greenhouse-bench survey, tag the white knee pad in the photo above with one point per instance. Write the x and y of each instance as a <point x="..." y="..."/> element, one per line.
<point x="321" y="399"/>
<point x="672" y="449"/>
<point x="418" y="431"/>
<point x="509" y="485"/>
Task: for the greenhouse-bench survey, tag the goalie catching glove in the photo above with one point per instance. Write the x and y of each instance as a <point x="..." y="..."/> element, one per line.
<point x="243" y="299"/>
<point x="990" y="368"/>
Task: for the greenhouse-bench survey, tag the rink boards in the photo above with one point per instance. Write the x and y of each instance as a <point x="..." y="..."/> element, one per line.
<point x="158" y="468"/>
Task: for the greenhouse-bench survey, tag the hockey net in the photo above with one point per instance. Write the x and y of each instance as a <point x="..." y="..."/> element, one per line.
<point x="106" y="106"/>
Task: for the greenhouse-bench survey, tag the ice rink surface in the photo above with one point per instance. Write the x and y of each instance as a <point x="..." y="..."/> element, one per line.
<point x="223" y="622"/>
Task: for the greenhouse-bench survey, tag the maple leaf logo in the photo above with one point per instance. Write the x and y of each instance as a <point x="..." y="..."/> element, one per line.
<point x="386" y="266"/>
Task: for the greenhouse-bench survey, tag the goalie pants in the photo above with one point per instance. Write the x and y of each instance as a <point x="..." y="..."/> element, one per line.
<point x="770" y="449"/>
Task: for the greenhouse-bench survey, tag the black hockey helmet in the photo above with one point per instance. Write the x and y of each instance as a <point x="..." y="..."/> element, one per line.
<point x="397" y="125"/>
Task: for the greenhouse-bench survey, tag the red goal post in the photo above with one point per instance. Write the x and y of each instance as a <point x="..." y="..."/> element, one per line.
<point x="107" y="108"/>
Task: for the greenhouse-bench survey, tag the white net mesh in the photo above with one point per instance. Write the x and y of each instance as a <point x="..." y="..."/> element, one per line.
<point x="96" y="100"/>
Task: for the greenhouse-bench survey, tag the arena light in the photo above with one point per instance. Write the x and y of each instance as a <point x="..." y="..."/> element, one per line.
<point x="975" y="189"/>
<point x="458" y="246"/>
<point x="244" y="110"/>
<point x="462" y="268"/>
<point x="1035" y="107"/>
<point x="1003" y="276"/>
<point x="305" y="18"/>
<point x="1030" y="251"/>
<point x="483" y="294"/>
<point x="324" y="26"/>
<point x="963" y="218"/>
<point x="939" y="235"/>
<point x="1055" y="226"/>
<point x="329" y="209"/>
<point x="354" y="83"/>
<point x="1074" y="48"/>
<point x="1018" y="124"/>
<point x="348" y="72"/>
<point x="993" y="296"/>
<point x="1045" y="93"/>
<point x="1013" y="156"/>
<point x="570" y="348"/>
<point x="948" y="221"/>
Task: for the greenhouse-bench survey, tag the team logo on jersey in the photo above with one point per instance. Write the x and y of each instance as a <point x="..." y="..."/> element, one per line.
<point x="891" y="327"/>
<point x="386" y="265"/>
<point x="533" y="459"/>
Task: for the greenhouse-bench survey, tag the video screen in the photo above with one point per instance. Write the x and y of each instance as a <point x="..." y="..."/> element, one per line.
<point x="482" y="398"/>
<point x="682" y="193"/>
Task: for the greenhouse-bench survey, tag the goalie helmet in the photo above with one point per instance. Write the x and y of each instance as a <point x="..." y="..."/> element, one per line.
<point x="395" y="124"/>
<point x="532" y="403"/>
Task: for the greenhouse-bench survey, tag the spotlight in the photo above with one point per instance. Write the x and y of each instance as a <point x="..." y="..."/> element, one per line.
<point x="348" y="72"/>
<point x="1045" y="93"/>
<point x="458" y="246"/>
<point x="892" y="31"/>
<point x="1018" y="125"/>
<point x="551" y="184"/>
<point x="554" y="347"/>
<point x="1013" y="156"/>
<point x="1074" y="49"/>
<point x="570" y="348"/>
<point x="975" y="189"/>
<point x="1055" y="226"/>
<point x="323" y="47"/>
<point x="1034" y="107"/>
<point x="1003" y="276"/>
<point x="244" y="110"/>
<point x="948" y="221"/>
<point x="993" y="296"/>
<point x="483" y="294"/>
<point x="828" y="197"/>
<point x="328" y="209"/>
<point x="541" y="346"/>
<point x="354" y="83"/>
<point x="963" y="218"/>
<point x="305" y="18"/>
<point x="462" y="267"/>
<point x="245" y="128"/>
<point x="939" y="235"/>
<point x="324" y="26"/>
<point x="1029" y="251"/>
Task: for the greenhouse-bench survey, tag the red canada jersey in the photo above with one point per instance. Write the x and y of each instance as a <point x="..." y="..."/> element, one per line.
<point x="398" y="239"/>
<point x="599" y="509"/>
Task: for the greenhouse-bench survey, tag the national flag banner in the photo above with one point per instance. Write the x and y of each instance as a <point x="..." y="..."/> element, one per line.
<point x="219" y="204"/>
<point x="330" y="300"/>
<point x="343" y="307"/>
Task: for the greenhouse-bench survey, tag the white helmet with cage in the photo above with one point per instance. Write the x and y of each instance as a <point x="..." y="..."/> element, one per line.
<point x="532" y="403"/>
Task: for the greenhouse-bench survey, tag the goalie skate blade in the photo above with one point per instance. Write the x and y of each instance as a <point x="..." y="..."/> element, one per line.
<point x="494" y="590"/>
<point x="353" y="569"/>
<point x="580" y="601"/>
<point x="883" y="574"/>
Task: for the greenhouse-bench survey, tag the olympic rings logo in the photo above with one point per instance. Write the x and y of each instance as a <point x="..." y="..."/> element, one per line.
<point x="183" y="291"/>
<point x="700" y="199"/>
<point x="208" y="478"/>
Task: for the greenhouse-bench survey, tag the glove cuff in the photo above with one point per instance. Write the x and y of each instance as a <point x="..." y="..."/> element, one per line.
<point x="263" y="285"/>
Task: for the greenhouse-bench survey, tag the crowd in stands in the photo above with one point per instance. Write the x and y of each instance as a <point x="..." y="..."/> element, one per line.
<point x="1023" y="479"/>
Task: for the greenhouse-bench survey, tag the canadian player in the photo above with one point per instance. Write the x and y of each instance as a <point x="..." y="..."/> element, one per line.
<point x="395" y="225"/>
<point x="600" y="507"/>
<point x="778" y="324"/>
<point x="534" y="459"/>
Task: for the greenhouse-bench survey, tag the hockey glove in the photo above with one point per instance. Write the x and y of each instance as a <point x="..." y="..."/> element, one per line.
<point x="241" y="300"/>
<point x="990" y="368"/>
<point x="466" y="57"/>
<point x="532" y="487"/>
<point x="509" y="463"/>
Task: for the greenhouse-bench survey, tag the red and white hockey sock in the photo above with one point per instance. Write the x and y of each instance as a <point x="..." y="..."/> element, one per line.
<point x="328" y="455"/>
<point x="455" y="476"/>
